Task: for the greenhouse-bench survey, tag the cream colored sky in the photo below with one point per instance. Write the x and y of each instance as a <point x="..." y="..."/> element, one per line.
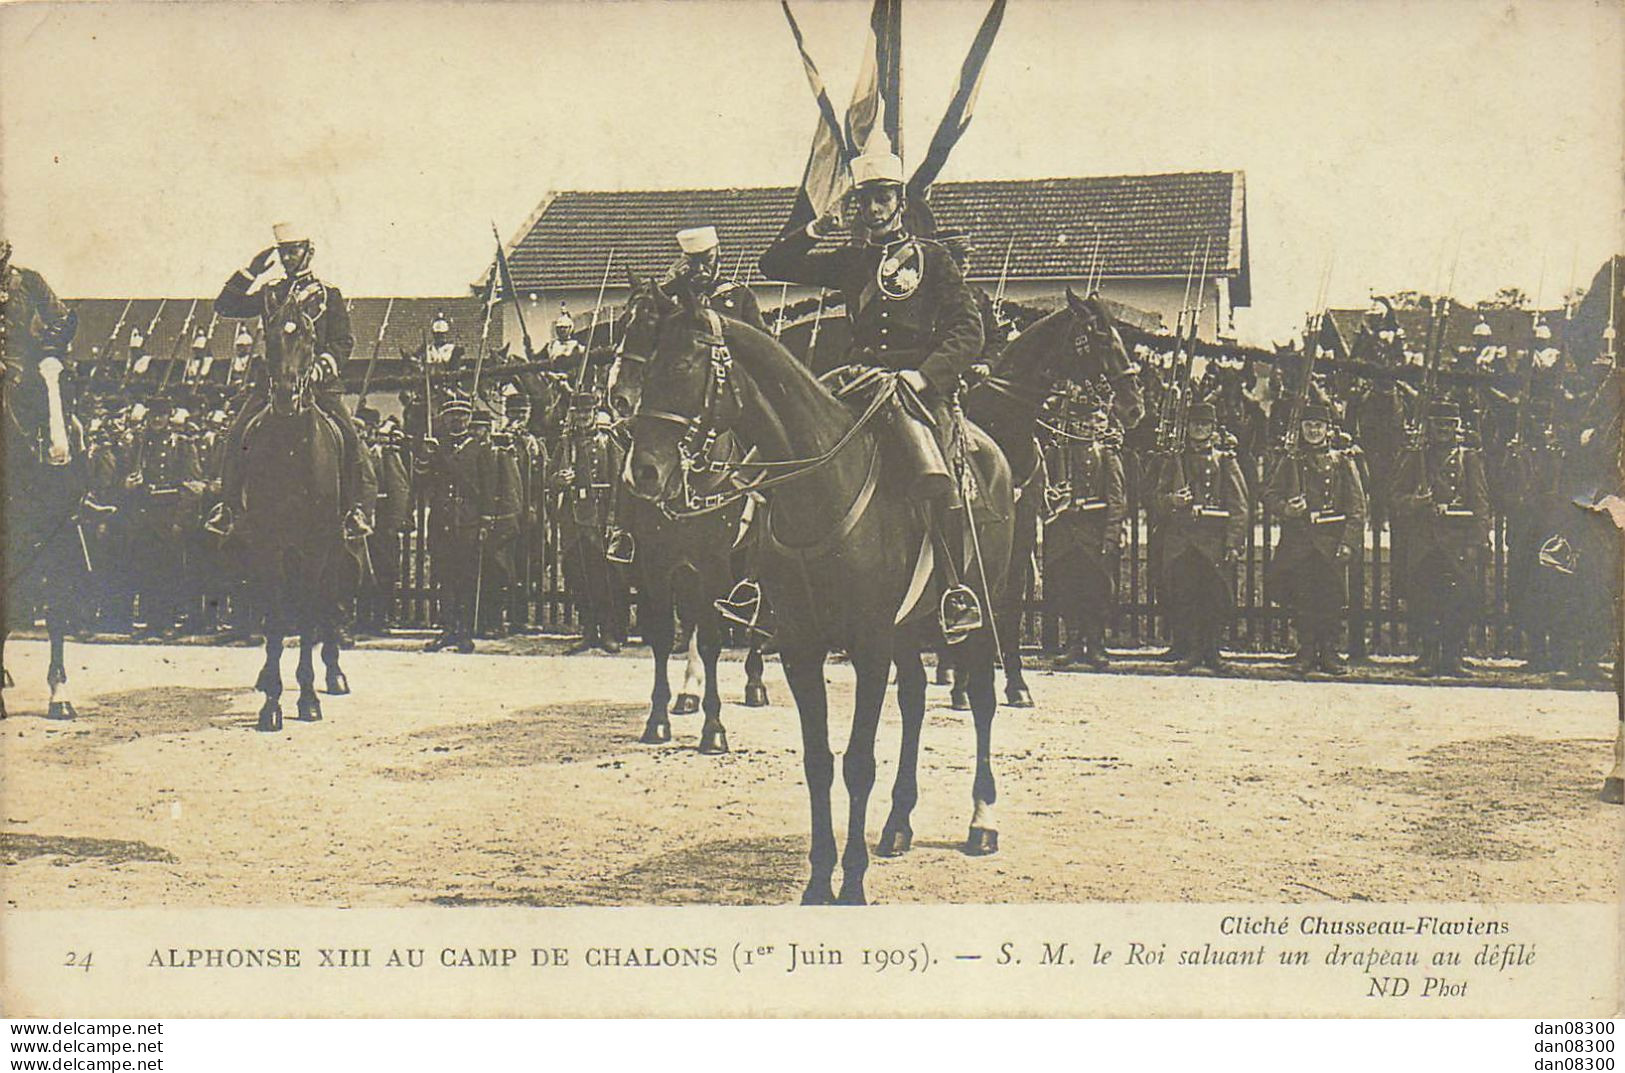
<point x="146" y="148"/>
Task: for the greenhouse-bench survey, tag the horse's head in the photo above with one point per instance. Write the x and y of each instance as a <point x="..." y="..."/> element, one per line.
<point x="1096" y="342"/>
<point x="640" y="326"/>
<point x="290" y="351"/>
<point x="689" y="395"/>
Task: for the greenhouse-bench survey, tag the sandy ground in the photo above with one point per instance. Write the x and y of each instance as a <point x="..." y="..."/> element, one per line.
<point x="501" y="779"/>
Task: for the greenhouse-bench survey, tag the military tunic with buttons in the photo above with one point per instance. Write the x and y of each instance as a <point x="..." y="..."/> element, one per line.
<point x="1305" y="573"/>
<point x="453" y="478"/>
<point x="1082" y="545"/>
<point x="907" y="304"/>
<point x="587" y="505"/>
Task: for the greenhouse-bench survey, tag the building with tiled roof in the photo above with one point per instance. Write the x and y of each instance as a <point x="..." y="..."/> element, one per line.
<point x="1141" y="236"/>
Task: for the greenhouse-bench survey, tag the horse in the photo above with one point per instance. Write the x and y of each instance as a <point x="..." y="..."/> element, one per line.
<point x="684" y="564"/>
<point x="1076" y="342"/>
<point x="861" y="585"/>
<point x="292" y="533"/>
<point x="44" y="461"/>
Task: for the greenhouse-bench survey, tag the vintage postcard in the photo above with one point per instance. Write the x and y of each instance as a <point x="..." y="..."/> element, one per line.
<point x="867" y="508"/>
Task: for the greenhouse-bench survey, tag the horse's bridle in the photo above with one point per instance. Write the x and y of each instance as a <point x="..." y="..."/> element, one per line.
<point x="701" y="430"/>
<point x="697" y="445"/>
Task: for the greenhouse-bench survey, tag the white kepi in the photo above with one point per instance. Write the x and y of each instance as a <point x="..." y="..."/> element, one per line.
<point x="695" y="240"/>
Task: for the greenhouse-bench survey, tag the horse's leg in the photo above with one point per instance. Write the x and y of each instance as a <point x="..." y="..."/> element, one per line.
<point x="708" y="639"/>
<point x="898" y="835"/>
<point x="337" y="684"/>
<point x="958" y="698"/>
<point x="984" y="833"/>
<point x="1007" y="615"/>
<point x="1613" y="787"/>
<point x="688" y="700"/>
<point x="655" y="618"/>
<point x="5" y="675"/>
<point x="310" y="706"/>
<point x="270" y="680"/>
<point x="755" y="687"/>
<point x="804" y="670"/>
<point x="56" y="676"/>
<point x="944" y="672"/>
<point x="873" y="668"/>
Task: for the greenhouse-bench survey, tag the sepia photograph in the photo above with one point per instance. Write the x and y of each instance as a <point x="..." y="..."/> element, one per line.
<point x="497" y="495"/>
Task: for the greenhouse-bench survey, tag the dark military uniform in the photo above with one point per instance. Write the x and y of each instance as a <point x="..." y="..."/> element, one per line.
<point x="453" y="475"/>
<point x="907" y="304"/>
<point x="504" y="484"/>
<point x="1541" y="590"/>
<point x="1320" y="536"/>
<point x="1083" y="544"/>
<point x="1440" y="490"/>
<point x="587" y="479"/>
<point x="733" y="299"/>
<point x="1199" y="542"/>
<point x="165" y="487"/>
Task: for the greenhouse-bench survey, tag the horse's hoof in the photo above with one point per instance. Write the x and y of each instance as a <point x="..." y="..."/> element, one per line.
<point x="960" y="701"/>
<point x="657" y="732"/>
<point x="1613" y="790"/>
<point x="270" y="717"/>
<point x="1018" y="697"/>
<point x="981" y="842"/>
<point x="817" y="894"/>
<point x="6" y="680"/>
<point x="713" y="742"/>
<point x="686" y="704"/>
<point x="851" y="895"/>
<point x="337" y="684"/>
<point x="310" y="710"/>
<point x="61" y="709"/>
<point x="755" y="695"/>
<point x="894" y="842"/>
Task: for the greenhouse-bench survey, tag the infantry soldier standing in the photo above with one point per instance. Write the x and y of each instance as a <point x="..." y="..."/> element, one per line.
<point x="502" y="508"/>
<point x="1082" y="544"/>
<point x="587" y="481"/>
<point x="700" y="270"/>
<point x="255" y="291"/>
<point x="1440" y="490"/>
<point x="1316" y="492"/>
<point x="910" y="312"/>
<point x="451" y="471"/>
<point x="1202" y="498"/>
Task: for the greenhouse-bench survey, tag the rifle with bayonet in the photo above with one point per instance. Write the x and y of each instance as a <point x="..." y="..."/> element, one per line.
<point x="1187" y="384"/>
<point x="372" y="361"/>
<point x="112" y="337"/>
<point x="1167" y="406"/>
<point x="175" y="349"/>
<point x="129" y="361"/>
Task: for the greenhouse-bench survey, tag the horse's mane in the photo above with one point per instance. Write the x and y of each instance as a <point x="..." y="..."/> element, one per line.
<point x="1031" y="343"/>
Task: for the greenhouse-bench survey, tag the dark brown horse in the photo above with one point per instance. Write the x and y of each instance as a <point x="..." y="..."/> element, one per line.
<point x="839" y="549"/>
<point x="1078" y="343"/>
<point x="684" y="565"/>
<point x="295" y="550"/>
<point x="46" y="476"/>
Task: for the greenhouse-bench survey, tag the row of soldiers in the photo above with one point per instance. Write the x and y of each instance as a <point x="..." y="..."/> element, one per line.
<point x="491" y="469"/>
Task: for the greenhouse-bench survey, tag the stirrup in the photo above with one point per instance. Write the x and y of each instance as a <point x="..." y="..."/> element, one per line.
<point x="620" y="547"/>
<point x="356" y="526"/>
<point x="959" y="614"/>
<point x="221" y="521"/>
<point x="743" y="604"/>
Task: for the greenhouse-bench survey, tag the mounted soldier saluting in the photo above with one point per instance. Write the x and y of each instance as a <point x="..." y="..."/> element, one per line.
<point x="277" y="274"/>
<point x="700" y="270"/>
<point x="911" y="313"/>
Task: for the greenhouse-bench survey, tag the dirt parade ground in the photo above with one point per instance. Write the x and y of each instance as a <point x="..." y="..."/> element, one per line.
<point x="503" y="779"/>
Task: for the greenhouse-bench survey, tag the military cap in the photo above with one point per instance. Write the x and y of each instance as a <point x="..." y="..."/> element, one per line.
<point x="456" y="404"/>
<point x="584" y="400"/>
<point x="872" y="169"/>
<point x="1202" y="411"/>
<point x="694" y="240"/>
<point x="1316" y="412"/>
<point x="367" y="415"/>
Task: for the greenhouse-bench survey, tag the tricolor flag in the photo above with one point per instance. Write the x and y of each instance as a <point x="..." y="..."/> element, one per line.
<point x="827" y="174"/>
<point x="958" y="116"/>
<point x="874" y="119"/>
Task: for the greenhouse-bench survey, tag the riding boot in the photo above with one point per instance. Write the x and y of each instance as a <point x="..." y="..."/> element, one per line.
<point x="960" y="611"/>
<point x="1096" y="657"/>
<point x="589" y="638"/>
<point x="1329" y="661"/>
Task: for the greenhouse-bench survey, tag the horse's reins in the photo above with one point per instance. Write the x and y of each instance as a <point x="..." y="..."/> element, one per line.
<point x="700" y="432"/>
